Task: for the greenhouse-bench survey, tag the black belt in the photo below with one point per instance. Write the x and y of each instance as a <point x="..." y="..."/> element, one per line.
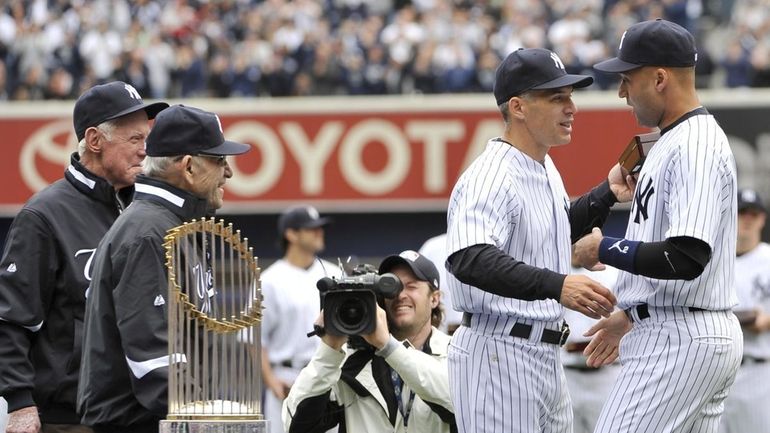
<point x="522" y="330"/>
<point x="288" y="363"/>
<point x="643" y="311"/>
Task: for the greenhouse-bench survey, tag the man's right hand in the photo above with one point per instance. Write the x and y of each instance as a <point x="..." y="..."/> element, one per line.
<point x="586" y="296"/>
<point x="24" y="420"/>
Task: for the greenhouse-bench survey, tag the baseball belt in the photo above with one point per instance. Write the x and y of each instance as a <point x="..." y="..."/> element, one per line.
<point x="522" y="330"/>
<point x="643" y="311"/>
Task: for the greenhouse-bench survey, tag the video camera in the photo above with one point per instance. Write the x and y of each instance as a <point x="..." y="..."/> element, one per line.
<point x="350" y="303"/>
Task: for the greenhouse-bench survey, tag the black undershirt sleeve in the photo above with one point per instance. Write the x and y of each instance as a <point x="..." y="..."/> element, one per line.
<point x="486" y="267"/>
<point x="591" y="210"/>
<point x="677" y="258"/>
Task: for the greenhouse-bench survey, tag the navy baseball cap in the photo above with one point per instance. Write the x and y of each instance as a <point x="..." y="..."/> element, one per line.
<point x="423" y="268"/>
<point x="109" y="101"/>
<point x="749" y="199"/>
<point x="183" y="130"/>
<point x="301" y="217"/>
<point x="652" y="43"/>
<point x="533" y="69"/>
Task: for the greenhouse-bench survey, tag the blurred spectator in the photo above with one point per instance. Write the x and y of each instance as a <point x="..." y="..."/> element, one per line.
<point x="181" y="48"/>
<point x="736" y="65"/>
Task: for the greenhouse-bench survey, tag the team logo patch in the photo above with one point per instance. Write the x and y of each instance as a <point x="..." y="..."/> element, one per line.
<point x="132" y="91"/>
<point x="557" y="61"/>
<point x="313" y="212"/>
<point x="641" y="200"/>
<point x="617" y="246"/>
<point x="159" y="301"/>
<point x="12" y="268"/>
<point x="410" y="255"/>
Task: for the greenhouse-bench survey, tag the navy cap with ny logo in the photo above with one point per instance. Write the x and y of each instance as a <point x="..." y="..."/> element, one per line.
<point x="652" y="43"/>
<point x="533" y="69"/>
<point x="183" y="130"/>
<point x="109" y="101"/>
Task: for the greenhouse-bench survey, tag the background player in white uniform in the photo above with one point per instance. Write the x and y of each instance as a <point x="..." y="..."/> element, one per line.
<point x="680" y="357"/>
<point x="510" y="226"/>
<point x="3" y="414"/>
<point x="588" y="386"/>
<point x="434" y="249"/>
<point x="746" y="408"/>
<point x="292" y="304"/>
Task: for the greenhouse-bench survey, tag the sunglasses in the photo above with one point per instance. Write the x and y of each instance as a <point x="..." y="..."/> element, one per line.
<point x="220" y="159"/>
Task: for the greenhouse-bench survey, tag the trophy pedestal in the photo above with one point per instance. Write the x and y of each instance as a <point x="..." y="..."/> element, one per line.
<point x="210" y="426"/>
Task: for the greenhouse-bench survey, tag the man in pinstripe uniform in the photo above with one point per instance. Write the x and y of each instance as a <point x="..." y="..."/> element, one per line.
<point x="682" y="343"/>
<point x="746" y="406"/>
<point x="510" y="225"/>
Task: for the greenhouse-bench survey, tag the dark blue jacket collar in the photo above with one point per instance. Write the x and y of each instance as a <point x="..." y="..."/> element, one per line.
<point x="94" y="186"/>
<point x="182" y="203"/>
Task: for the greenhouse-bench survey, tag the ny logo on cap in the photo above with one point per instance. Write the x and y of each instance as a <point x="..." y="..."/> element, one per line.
<point x="557" y="61"/>
<point x="749" y="195"/>
<point x="219" y="122"/>
<point x="620" y="47"/>
<point x="313" y="212"/>
<point x="132" y="92"/>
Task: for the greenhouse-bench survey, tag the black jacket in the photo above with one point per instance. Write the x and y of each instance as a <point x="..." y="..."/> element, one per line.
<point x="44" y="273"/>
<point x="124" y="368"/>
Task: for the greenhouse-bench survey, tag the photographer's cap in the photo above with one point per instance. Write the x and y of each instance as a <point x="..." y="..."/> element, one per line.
<point x="301" y="217"/>
<point x="749" y="199"/>
<point x="652" y="43"/>
<point x="423" y="268"/>
<point x="109" y="101"/>
<point x="183" y="130"/>
<point x="533" y="69"/>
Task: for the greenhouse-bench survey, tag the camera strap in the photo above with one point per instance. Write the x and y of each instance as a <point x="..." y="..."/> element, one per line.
<point x="405" y="409"/>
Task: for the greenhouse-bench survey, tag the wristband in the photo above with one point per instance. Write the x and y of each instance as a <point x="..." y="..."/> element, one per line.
<point x="390" y="346"/>
<point x="618" y="252"/>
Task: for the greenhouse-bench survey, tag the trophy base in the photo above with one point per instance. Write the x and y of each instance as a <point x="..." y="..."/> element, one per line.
<point x="203" y="426"/>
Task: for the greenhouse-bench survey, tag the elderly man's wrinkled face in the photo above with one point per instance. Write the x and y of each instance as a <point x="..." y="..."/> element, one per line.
<point x="122" y="149"/>
<point x="211" y="173"/>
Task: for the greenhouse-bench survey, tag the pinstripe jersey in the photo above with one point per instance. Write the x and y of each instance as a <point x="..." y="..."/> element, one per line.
<point x="519" y="205"/>
<point x="752" y="282"/>
<point x="687" y="187"/>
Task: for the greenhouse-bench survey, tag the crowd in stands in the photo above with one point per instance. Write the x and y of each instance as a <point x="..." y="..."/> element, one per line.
<point x="55" y="49"/>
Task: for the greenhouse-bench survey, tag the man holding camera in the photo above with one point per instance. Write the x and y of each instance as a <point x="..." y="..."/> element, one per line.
<point x="399" y="383"/>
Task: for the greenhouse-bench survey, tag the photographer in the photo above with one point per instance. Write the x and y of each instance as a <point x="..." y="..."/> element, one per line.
<point x="397" y="384"/>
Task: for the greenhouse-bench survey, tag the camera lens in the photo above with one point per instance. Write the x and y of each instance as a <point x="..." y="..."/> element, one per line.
<point x="352" y="312"/>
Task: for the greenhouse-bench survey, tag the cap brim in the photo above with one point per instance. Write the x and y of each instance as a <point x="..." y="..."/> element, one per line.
<point x="391" y="262"/>
<point x="754" y="206"/>
<point x="228" y="148"/>
<point x="320" y="222"/>
<point x="152" y="110"/>
<point x="615" y="65"/>
<point x="577" y="81"/>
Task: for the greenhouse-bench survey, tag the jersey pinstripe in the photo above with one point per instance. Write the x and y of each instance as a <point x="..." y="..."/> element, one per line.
<point x="507" y="199"/>
<point x="687" y="187"/>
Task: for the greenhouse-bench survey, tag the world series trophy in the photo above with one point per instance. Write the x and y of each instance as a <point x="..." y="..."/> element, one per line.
<point x="214" y="315"/>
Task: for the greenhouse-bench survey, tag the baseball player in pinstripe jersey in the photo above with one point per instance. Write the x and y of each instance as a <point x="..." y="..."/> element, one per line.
<point x="746" y="406"/>
<point x="681" y="343"/>
<point x="510" y="229"/>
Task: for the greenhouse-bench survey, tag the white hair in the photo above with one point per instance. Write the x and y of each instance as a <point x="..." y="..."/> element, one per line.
<point x="106" y="128"/>
<point x="157" y="166"/>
